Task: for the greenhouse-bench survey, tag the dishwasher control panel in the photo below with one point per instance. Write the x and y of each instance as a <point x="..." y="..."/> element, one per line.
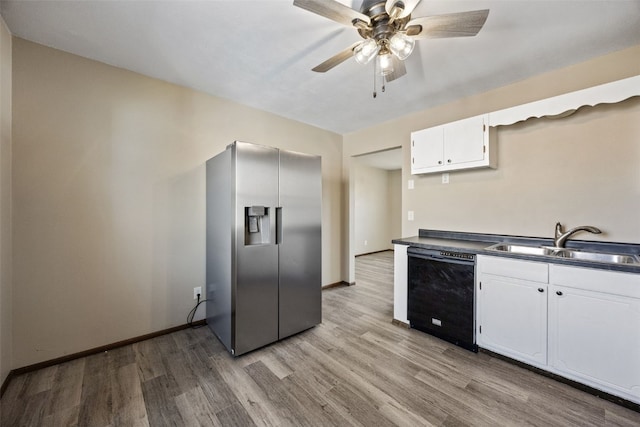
<point x="460" y="255"/>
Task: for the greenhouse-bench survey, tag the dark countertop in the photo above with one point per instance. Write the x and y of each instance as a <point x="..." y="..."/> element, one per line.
<point x="478" y="243"/>
<point x="444" y="244"/>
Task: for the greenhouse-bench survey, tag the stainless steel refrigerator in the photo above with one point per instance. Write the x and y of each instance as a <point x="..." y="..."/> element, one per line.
<point x="263" y="245"/>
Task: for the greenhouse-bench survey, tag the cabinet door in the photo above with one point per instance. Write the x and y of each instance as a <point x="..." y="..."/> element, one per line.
<point x="427" y="148"/>
<point x="512" y="318"/>
<point x="464" y="141"/>
<point x="594" y="338"/>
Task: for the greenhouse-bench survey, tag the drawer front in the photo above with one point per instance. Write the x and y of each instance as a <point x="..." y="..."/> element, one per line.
<point x="514" y="268"/>
<point x="591" y="279"/>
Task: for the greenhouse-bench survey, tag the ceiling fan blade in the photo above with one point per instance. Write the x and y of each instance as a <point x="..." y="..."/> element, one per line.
<point x="399" y="69"/>
<point x="401" y="8"/>
<point x="335" y="59"/>
<point x="463" y="24"/>
<point x="333" y="10"/>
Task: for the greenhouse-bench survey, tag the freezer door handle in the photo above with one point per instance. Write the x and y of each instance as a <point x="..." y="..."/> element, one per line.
<point x="278" y="225"/>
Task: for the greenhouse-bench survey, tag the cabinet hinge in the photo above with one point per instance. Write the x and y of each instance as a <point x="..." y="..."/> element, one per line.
<point x="413" y="143"/>
<point x="484" y="128"/>
<point x="480" y="329"/>
<point x="480" y="285"/>
<point x="484" y="148"/>
<point x="413" y="160"/>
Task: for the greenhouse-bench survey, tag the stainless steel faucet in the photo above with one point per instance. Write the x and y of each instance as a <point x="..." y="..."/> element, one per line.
<point x="561" y="238"/>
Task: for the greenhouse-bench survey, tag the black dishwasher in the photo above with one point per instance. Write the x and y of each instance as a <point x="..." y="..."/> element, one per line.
<point x="441" y="295"/>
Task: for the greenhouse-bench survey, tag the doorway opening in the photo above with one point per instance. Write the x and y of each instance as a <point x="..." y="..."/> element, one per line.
<point x="377" y="201"/>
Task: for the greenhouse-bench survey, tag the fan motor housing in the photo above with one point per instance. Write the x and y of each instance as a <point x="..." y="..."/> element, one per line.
<point x="381" y="27"/>
<point x="373" y="8"/>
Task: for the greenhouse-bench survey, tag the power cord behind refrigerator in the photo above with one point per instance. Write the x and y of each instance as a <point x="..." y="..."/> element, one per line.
<point x="192" y="314"/>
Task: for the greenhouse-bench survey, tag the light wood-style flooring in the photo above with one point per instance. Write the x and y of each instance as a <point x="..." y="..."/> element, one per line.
<point x="356" y="368"/>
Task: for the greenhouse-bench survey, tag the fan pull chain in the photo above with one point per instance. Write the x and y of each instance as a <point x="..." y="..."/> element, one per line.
<point x="375" y="94"/>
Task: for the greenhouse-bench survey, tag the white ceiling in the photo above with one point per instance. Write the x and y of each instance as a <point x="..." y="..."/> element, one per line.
<point x="260" y="53"/>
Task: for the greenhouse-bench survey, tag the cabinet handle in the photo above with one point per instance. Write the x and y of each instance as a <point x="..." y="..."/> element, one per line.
<point x="559" y="293"/>
<point x="449" y="161"/>
<point x="439" y="162"/>
<point x="540" y="290"/>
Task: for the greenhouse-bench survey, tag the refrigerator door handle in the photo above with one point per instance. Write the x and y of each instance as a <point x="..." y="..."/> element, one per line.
<point x="278" y="225"/>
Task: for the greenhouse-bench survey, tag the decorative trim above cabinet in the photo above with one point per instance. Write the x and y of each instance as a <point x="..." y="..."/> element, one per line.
<point x="563" y="105"/>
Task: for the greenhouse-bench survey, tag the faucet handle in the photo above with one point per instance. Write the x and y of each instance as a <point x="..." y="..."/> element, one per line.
<point x="558" y="229"/>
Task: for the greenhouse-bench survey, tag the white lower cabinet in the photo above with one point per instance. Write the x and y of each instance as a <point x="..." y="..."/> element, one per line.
<point x="581" y="323"/>
<point x="512" y="312"/>
<point x="594" y="329"/>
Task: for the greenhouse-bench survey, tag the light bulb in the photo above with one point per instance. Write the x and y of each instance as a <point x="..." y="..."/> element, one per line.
<point x="385" y="64"/>
<point x="365" y="51"/>
<point x="401" y="45"/>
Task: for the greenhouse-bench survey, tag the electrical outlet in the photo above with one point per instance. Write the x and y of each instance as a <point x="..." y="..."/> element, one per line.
<point x="197" y="291"/>
<point x="411" y="184"/>
<point x="366" y="243"/>
<point x="445" y="178"/>
<point x="410" y="215"/>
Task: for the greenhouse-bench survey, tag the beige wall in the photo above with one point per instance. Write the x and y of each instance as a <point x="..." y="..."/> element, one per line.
<point x="109" y="207"/>
<point x="371" y="209"/>
<point x="394" y="195"/>
<point x="584" y="169"/>
<point x="5" y="203"/>
<point x="108" y="187"/>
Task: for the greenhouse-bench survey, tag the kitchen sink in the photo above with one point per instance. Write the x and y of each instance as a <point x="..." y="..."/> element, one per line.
<point x="599" y="257"/>
<point x="521" y="249"/>
<point x="566" y="253"/>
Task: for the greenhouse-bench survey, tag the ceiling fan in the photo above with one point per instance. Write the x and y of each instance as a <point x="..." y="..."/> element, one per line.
<point x="388" y="31"/>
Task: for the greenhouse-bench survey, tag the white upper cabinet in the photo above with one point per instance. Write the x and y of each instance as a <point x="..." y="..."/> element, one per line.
<point x="463" y="144"/>
<point x="427" y="148"/>
<point x="465" y="141"/>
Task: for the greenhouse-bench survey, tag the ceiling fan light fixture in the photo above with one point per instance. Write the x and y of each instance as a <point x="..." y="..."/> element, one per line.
<point x="366" y="51"/>
<point x="385" y="64"/>
<point x="401" y="45"/>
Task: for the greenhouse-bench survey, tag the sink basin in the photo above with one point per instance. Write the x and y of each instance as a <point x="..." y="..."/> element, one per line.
<point x="600" y="257"/>
<point x="521" y="249"/>
<point x="566" y="253"/>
